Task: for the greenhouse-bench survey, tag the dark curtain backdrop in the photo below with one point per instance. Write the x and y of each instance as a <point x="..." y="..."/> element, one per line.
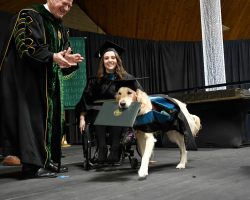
<point x="237" y="61"/>
<point x="169" y="65"/>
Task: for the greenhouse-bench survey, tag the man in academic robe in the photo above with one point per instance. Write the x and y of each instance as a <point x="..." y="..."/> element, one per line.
<point x="31" y="92"/>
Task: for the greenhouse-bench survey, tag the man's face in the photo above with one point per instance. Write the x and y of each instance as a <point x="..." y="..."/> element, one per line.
<point x="59" y="8"/>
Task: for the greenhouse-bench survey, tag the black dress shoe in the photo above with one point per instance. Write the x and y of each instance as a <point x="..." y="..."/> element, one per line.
<point x="45" y="173"/>
<point x="35" y="172"/>
<point x="54" y="168"/>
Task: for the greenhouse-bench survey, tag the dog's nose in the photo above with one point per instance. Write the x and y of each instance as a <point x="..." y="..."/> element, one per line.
<point x="122" y="104"/>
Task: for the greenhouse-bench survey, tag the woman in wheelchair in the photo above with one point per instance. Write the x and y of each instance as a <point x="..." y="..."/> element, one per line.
<point x="102" y="88"/>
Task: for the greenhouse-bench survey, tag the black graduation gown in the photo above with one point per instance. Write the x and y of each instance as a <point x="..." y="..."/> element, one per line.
<point x="99" y="90"/>
<point x="30" y="88"/>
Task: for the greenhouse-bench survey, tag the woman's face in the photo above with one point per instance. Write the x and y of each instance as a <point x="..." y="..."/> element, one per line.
<point x="59" y="8"/>
<point x="110" y="61"/>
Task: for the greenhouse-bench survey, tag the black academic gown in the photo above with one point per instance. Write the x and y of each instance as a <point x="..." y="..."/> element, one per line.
<point x="30" y="88"/>
<point x="102" y="89"/>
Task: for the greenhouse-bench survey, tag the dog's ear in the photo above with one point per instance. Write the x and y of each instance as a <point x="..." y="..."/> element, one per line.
<point x="116" y="96"/>
<point x="141" y="96"/>
<point x="138" y="95"/>
<point x="139" y="92"/>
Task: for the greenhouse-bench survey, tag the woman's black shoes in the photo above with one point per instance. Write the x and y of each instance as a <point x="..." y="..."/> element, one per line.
<point x="114" y="155"/>
<point x="102" y="155"/>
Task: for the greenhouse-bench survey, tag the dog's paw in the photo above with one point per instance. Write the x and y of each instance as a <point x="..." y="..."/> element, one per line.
<point x="142" y="178"/>
<point x="181" y="166"/>
<point x="142" y="174"/>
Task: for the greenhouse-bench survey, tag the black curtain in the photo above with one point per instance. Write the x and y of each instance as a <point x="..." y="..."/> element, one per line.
<point x="169" y="65"/>
<point x="237" y="61"/>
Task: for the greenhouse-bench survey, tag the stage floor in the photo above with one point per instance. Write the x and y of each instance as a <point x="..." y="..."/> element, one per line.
<point x="210" y="174"/>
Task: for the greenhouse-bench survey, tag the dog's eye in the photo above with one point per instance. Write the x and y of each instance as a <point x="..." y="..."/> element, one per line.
<point x="119" y="93"/>
<point x="129" y="92"/>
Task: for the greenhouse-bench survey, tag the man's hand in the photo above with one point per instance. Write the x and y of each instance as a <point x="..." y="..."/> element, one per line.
<point x="65" y="59"/>
<point x="73" y="59"/>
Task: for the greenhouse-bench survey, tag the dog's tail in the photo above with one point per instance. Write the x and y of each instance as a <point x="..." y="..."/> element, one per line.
<point x="196" y="127"/>
<point x="193" y="120"/>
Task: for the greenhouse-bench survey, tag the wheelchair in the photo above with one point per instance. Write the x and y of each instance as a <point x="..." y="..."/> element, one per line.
<point x="90" y="147"/>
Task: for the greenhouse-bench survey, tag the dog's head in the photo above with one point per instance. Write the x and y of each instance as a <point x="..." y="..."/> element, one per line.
<point x="125" y="96"/>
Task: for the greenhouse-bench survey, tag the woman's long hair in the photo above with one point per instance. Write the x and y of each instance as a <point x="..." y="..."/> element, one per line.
<point x="120" y="72"/>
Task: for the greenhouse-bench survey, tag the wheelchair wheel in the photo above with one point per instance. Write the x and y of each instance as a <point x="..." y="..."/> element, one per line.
<point x="86" y="165"/>
<point x="134" y="163"/>
<point x="89" y="149"/>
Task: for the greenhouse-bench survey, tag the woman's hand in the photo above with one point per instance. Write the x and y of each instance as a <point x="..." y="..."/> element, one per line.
<point x="82" y="123"/>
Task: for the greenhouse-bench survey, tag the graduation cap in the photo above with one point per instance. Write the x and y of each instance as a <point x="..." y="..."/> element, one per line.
<point x="109" y="46"/>
<point x="130" y="83"/>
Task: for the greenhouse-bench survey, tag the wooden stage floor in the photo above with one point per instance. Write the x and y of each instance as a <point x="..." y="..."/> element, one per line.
<point x="210" y="174"/>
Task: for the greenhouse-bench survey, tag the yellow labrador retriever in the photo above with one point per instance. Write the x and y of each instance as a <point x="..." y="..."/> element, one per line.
<point x="145" y="141"/>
